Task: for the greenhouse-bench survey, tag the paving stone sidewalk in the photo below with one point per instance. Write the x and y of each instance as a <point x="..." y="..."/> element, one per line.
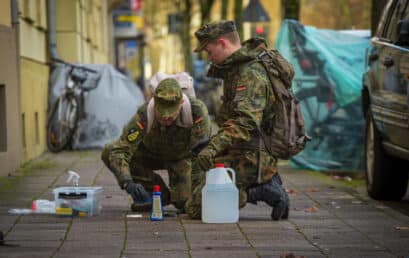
<point x="326" y="220"/>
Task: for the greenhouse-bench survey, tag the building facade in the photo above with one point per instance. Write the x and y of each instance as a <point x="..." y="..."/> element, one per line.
<point x="11" y="154"/>
<point x="82" y="34"/>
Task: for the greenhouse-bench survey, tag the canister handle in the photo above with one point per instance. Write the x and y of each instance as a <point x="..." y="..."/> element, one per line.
<point x="233" y="174"/>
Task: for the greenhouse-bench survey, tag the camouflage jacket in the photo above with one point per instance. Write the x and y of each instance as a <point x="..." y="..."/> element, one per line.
<point x="167" y="143"/>
<point x="247" y="98"/>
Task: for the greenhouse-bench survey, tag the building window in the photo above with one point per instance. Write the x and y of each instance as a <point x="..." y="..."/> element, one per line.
<point x="3" y="120"/>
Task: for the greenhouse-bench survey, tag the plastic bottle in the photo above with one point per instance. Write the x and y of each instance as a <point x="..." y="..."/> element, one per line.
<point x="72" y="175"/>
<point x="157" y="209"/>
<point x="43" y="206"/>
<point x="220" y="197"/>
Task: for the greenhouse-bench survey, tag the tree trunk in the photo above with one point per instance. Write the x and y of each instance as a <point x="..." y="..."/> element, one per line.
<point x="376" y="13"/>
<point x="238" y="10"/>
<point x="205" y="8"/>
<point x="290" y="9"/>
<point x="185" y="35"/>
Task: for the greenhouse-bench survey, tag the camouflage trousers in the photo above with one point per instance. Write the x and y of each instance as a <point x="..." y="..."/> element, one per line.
<point x="252" y="168"/>
<point x="141" y="168"/>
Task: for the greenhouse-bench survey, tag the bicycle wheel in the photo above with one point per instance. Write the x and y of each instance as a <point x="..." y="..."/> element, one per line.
<point x="61" y="123"/>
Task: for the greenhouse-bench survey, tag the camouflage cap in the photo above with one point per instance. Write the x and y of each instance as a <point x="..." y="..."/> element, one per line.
<point x="211" y="31"/>
<point x="168" y="96"/>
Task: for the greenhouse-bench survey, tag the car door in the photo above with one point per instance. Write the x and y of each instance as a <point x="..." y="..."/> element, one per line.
<point x="390" y="94"/>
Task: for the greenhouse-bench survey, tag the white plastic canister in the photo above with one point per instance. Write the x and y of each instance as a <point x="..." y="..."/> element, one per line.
<point x="220" y="197"/>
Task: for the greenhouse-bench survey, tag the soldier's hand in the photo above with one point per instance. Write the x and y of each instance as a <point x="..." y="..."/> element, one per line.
<point x="137" y="191"/>
<point x="205" y="159"/>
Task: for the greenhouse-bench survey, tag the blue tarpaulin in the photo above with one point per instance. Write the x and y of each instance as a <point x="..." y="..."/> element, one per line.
<point x="328" y="67"/>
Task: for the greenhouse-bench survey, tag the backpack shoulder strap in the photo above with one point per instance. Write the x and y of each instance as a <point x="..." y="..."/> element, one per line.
<point x="186" y="113"/>
<point x="150" y="113"/>
<point x="277" y="66"/>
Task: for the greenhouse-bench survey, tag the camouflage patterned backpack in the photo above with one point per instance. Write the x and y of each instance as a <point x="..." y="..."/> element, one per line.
<point x="284" y="133"/>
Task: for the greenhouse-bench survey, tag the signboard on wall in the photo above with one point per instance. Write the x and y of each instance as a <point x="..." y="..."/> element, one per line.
<point x="127" y="23"/>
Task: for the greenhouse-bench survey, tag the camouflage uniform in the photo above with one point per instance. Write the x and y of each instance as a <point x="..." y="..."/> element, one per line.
<point x="138" y="152"/>
<point x="246" y="97"/>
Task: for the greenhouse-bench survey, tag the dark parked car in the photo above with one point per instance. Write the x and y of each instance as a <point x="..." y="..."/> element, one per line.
<point x="385" y="104"/>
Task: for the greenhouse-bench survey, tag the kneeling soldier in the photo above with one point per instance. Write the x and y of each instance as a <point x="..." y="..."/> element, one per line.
<point x="159" y="136"/>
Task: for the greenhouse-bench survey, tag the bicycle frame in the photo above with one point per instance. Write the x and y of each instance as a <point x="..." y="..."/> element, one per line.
<point x="68" y="108"/>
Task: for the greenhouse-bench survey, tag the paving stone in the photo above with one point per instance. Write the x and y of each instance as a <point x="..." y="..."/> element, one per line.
<point x="24" y="252"/>
<point x="274" y="253"/>
<point x="344" y="225"/>
<point x="357" y="253"/>
<point x="155" y="254"/>
<point x="35" y="243"/>
<point x="224" y="252"/>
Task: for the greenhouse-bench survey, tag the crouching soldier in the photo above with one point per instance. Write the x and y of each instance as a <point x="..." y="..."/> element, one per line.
<point x="159" y="136"/>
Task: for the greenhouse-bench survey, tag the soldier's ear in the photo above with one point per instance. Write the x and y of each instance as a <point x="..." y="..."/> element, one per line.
<point x="222" y="42"/>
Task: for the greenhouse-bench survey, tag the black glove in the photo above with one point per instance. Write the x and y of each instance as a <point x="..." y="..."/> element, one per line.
<point x="137" y="191"/>
<point x="198" y="147"/>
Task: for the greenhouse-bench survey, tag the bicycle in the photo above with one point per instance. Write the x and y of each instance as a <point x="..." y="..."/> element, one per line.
<point x="68" y="108"/>
<point x="330" y="124"/>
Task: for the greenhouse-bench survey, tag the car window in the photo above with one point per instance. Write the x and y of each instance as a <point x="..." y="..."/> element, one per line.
<point x="399" y="12"/>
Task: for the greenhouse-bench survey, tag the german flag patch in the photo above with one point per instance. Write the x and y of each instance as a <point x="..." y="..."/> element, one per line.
<point x="140" y="125"/>
<point x="200" y="118"/>
<point x="241" y="88"/>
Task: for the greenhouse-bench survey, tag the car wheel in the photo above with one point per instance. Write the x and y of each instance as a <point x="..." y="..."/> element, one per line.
<point x="386" y="178"/>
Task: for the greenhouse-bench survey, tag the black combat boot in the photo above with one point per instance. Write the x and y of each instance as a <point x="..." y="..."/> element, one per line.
<point x="141" y="206"/>
<point x="274" y="195"/>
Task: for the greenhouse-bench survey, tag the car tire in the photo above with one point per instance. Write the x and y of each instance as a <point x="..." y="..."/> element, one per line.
<point x="385" y="176"/>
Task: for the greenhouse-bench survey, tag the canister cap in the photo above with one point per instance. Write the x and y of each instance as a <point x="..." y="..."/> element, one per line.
<point x="156" y="188"/>
<point x="219" y="165"/>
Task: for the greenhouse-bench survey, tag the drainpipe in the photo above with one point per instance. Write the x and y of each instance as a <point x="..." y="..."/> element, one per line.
<point x="15" y="23"/>
<point x="52" y="41"/>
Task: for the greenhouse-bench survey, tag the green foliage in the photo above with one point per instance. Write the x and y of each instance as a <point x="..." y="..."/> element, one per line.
<point x="290" y="9"/>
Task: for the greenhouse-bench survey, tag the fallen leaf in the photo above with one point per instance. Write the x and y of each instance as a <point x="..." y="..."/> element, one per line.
<point x="313" y="189"/>
<point x="311" y="209"/>
<point x="347" y="178"/>
<point x="336" y="177"/>
<point x="291" y="191"/>
<point x="401" y="228"/>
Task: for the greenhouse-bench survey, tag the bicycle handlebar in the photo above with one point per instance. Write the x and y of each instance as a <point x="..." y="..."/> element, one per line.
<point x="74" y="66"/>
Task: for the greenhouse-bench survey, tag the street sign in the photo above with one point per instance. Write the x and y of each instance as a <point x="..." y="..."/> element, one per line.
<point x="127" y="23"/>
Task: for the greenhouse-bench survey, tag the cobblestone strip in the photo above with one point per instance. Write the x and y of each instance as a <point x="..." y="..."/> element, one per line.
<point x="321" y="205"/>
<point x="16" y="221"/>
<point x="185" y="236"/>
<point x="299" y="230"/>
<point x="67" y="231"/>
<point x="248" y="240"/>
<point x="71" y="221"/>
<point x="125" y="236"/>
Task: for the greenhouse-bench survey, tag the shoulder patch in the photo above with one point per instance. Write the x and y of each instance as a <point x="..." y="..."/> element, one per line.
<point x="132" y="135"/>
